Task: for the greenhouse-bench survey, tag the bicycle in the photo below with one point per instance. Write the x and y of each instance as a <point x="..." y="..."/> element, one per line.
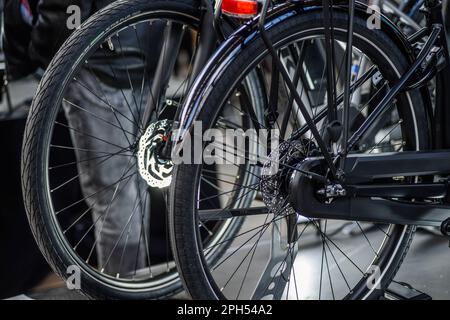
<point x="381" y="159"/>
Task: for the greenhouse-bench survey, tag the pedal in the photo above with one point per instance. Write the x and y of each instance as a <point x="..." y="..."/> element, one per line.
<point x="404" y="291"/>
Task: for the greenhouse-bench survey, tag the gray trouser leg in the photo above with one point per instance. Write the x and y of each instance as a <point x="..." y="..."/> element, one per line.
<point x="108" y="173"/>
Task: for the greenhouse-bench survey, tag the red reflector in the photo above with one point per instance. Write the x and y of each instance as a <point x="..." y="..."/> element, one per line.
<point x="240" y="8"/>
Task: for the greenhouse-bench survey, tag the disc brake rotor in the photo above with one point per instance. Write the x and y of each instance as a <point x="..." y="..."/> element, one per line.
<point x="155" y="171"/>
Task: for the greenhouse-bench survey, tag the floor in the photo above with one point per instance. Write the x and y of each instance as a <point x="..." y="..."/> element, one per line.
<point x="426" y="269"/>
<point x="427" y="265"/>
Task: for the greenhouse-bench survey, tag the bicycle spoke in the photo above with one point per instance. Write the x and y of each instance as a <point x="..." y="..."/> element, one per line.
<point x="107" y="210"/>
<point x="92" y="195"/>
<point x="89" y="135"/>
<point x="99" y="118"/>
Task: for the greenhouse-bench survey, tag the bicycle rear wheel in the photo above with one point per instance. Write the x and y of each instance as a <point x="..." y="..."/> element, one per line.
<point x="322" y="262"/>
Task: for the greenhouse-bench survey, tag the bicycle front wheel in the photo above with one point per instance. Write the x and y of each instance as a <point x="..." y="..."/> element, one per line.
<point x="88" y="201"/>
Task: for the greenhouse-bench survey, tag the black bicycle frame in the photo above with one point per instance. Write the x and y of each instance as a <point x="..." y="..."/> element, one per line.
<point x="359" y="201"/>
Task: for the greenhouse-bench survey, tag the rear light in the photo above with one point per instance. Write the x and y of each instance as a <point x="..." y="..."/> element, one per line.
<point x="240" y="8"/>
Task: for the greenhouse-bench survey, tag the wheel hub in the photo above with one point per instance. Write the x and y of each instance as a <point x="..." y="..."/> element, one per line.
<point x="157" y="172"/>
<point x="275" y="187"/>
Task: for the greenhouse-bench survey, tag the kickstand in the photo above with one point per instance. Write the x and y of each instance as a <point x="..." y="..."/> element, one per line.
<point x="404" y="291"/>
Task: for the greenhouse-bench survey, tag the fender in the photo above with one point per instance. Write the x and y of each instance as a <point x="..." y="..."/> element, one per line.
<point x="240" y="38"/>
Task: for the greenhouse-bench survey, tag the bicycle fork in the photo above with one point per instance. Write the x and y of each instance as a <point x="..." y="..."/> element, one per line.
<point x="173" y="37"/>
